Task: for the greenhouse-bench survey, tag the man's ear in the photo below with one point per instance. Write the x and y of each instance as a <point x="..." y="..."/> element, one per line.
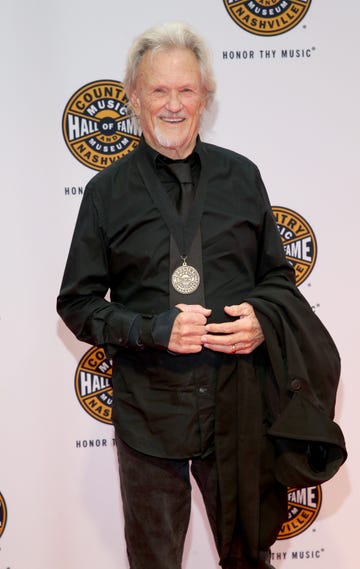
<point x="134" y="102"/>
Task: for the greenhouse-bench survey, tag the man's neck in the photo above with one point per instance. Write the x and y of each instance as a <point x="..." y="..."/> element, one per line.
<point x="173" y="153"/>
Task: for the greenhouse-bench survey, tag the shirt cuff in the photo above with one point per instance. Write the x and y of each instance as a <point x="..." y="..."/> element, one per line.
<point x="152" y="331"/>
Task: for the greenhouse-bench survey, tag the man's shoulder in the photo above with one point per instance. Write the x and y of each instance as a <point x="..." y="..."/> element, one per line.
<point x="111" y="173"/>
<point x="213" y="151"/>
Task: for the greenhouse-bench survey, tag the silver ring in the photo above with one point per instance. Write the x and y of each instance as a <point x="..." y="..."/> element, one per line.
<point x="233" y="348"/>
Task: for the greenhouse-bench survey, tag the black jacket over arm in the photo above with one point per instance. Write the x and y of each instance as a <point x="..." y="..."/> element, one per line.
<point x="291" y="381"/>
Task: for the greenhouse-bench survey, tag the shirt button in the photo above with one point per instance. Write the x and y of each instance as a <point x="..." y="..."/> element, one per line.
<point x="296" y="384"/>
<point x="203" y="389"/>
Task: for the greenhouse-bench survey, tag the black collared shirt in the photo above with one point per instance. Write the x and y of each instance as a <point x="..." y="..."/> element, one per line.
<point x="121" y="243"/>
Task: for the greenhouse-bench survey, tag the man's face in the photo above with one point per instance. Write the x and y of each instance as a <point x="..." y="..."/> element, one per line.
<point x="168" y="100"/>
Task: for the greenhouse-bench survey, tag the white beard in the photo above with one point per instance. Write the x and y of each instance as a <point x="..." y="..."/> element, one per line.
<point x="166" y="141"/>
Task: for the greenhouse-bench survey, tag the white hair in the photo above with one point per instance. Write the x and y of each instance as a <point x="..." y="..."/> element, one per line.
<point x="166" y="37"/>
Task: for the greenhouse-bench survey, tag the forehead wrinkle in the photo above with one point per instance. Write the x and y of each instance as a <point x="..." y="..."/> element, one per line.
<point x="175" y="78"/>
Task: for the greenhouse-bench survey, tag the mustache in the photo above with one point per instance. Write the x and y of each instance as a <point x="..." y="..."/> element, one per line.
<point x="172" y="115"/>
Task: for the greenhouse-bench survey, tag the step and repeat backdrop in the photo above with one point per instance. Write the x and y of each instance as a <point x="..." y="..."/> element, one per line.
<point x="288" y="98"/>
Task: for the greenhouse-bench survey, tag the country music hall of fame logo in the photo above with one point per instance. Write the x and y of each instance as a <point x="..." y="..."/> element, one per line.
<point x="93" y="384"/>
<point x="3" y="514"/>
<point x="303" y="508"/>
<point x="96" y="124"/>
<point x="267" y="17"/>
<point x="299" y="241"/>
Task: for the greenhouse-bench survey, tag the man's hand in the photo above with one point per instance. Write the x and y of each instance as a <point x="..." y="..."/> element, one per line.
<point x="188" y="329"/>
<point x="241" y="336"/>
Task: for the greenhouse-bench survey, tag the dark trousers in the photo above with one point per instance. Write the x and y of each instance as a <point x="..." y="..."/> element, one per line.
<point x="156" y="495"/>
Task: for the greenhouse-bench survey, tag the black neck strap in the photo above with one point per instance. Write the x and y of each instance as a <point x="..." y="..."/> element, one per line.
<point x="185" y="234"/>
<point x="182" y="230"/>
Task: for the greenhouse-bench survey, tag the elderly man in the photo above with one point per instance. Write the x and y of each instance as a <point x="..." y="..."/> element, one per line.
<point x="182" y="234"/>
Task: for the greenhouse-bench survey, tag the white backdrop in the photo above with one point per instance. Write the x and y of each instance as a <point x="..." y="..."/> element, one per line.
<point x="297" y="118"/>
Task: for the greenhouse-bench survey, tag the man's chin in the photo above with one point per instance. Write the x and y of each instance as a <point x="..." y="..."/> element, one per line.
<point x="170" y="140"/>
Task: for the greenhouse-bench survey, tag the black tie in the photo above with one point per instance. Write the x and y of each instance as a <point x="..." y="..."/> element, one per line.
<point x="182" y="172"/>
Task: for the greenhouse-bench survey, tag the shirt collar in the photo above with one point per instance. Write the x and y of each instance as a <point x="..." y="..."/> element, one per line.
<point x="157" y="158"/>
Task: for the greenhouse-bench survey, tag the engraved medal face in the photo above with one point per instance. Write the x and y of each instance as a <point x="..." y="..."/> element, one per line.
<point x="185" y="279"/>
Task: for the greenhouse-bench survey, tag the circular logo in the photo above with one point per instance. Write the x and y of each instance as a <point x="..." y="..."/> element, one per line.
<point x="299" y="241"/>
<point x="97" y="126"/>
<point x="267" y="17"/>
<point x="3" y="514"/>
<point x="93" y="384"/>
<point x="303" y="508"/>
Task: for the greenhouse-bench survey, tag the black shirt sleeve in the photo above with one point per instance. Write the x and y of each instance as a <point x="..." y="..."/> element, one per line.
<point x="82" y="303"/>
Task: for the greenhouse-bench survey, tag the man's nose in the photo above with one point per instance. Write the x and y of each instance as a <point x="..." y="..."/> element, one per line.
<point x="174" y="103"/>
